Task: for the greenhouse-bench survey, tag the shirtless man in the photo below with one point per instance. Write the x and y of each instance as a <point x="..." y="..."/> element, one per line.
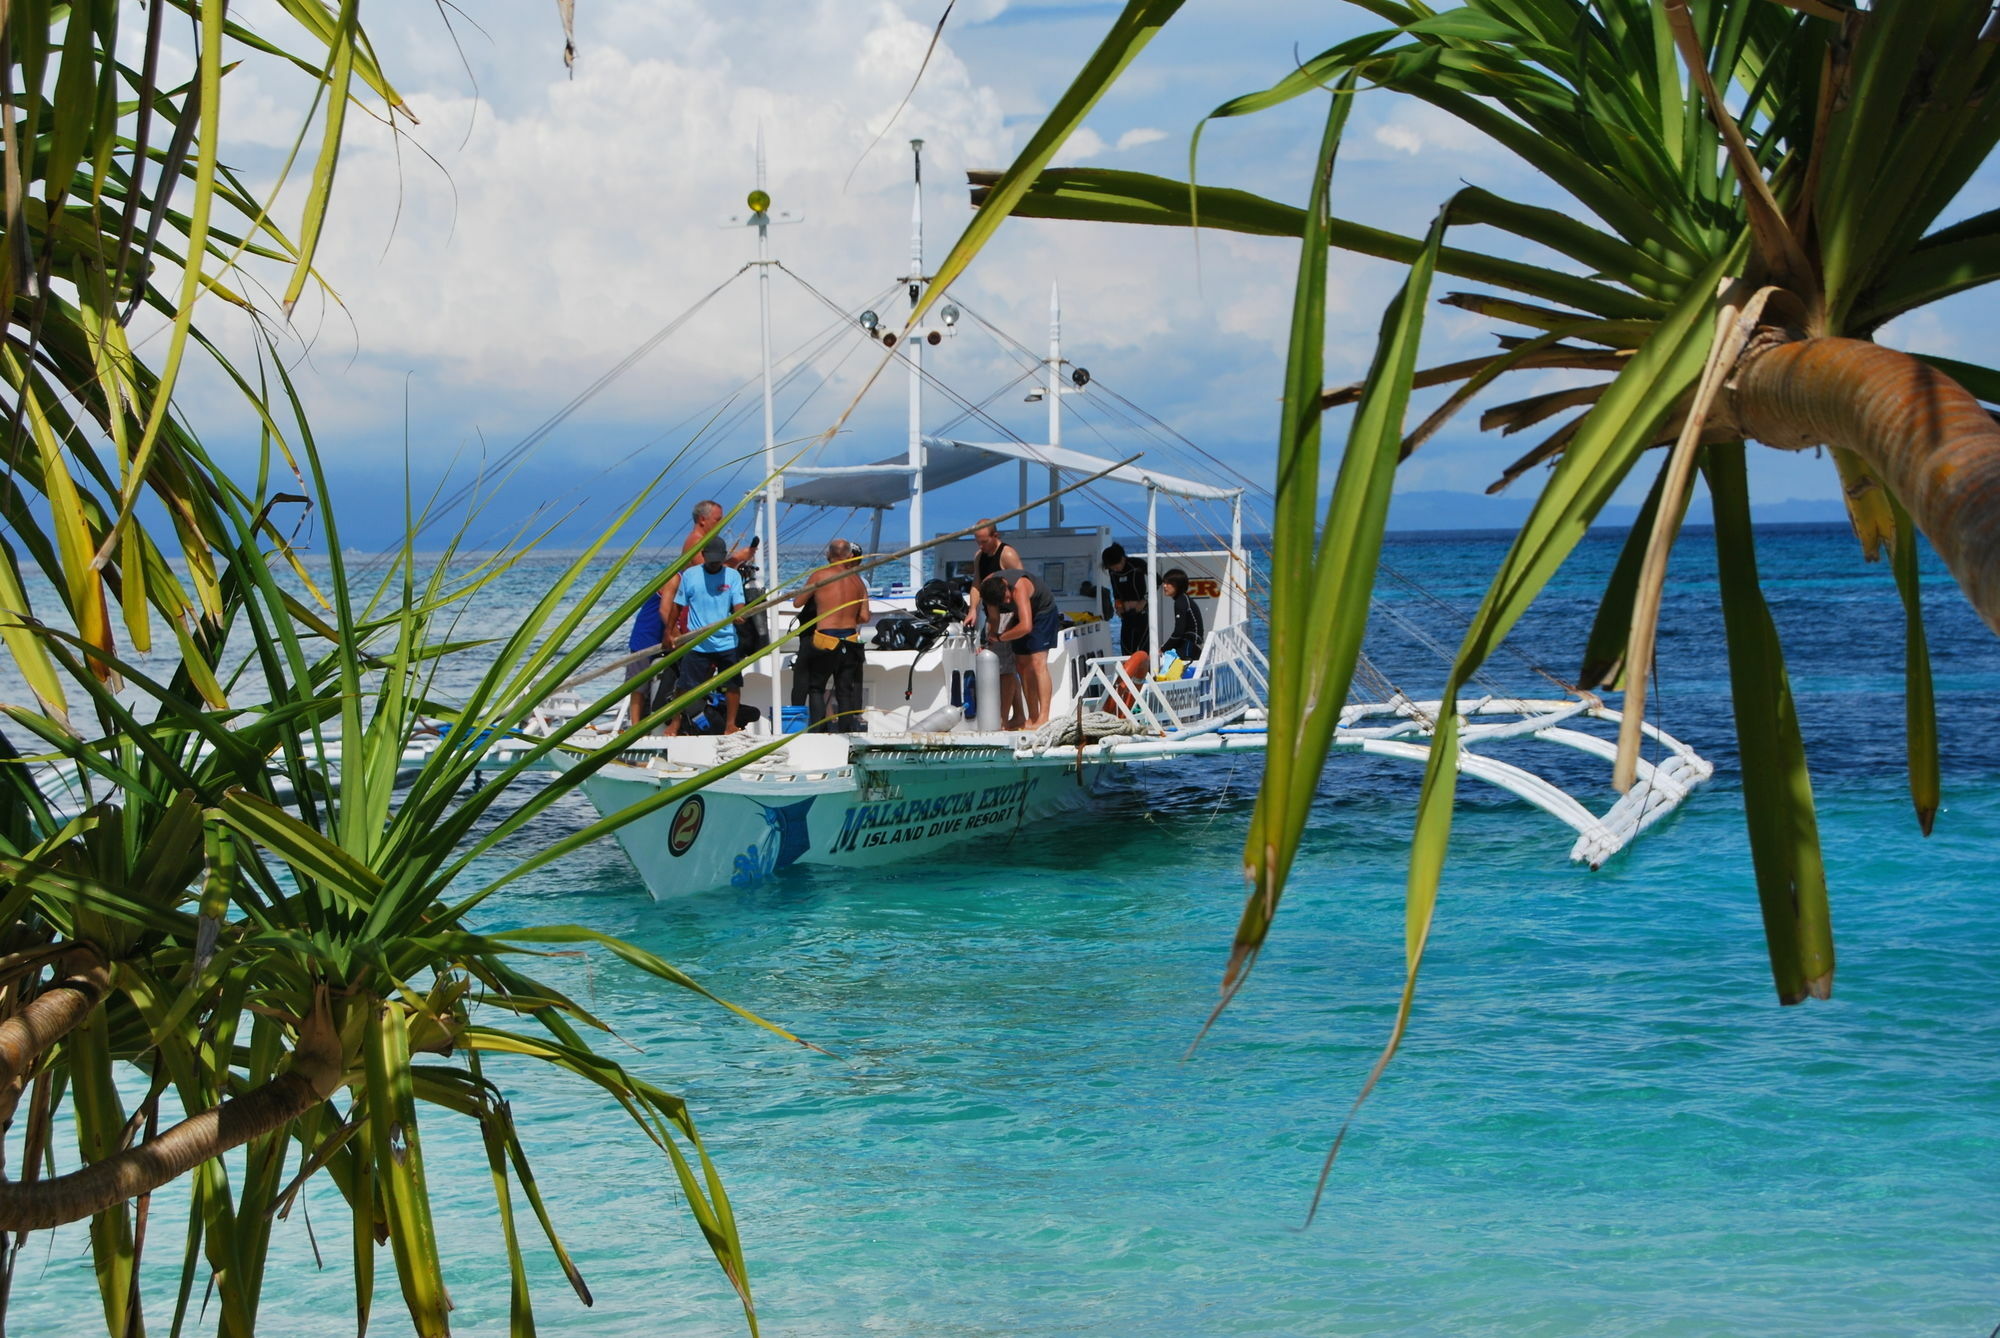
<point x="830" y="654"/>
<point x="655" y="620"/>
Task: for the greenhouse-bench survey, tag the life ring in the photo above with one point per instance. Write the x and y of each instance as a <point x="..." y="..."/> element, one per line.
<point x="1134" y="671"/>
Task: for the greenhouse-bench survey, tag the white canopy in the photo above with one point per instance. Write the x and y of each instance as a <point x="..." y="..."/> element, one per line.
<point x="948" y="461"/>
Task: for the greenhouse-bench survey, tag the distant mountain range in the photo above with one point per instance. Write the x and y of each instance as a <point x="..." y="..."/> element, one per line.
<point x="1475" y="511"/>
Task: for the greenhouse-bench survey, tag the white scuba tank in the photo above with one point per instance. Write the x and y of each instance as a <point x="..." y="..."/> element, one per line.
<point x="941" y="720"/>
<point x="986" y="689"/>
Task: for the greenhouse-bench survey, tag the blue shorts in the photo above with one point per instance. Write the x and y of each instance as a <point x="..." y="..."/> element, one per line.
<point x="1041" y="636"/>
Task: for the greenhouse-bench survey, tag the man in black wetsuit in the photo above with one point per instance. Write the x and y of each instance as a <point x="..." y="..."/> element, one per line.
<point x="1187" y="635"/>
<point x="1128" y="597"/>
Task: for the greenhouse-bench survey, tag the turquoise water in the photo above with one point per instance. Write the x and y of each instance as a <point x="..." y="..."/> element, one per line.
<point x="1601" y="1122"/>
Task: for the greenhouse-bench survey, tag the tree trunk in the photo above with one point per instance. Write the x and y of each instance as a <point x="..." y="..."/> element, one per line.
<point x="52" y="1014"/>
<point x="1924" y="435"/>
<point x="314" y="1076"/>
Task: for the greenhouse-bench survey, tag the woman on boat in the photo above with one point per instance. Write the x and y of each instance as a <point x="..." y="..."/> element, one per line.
<point x="1186" y="638"/>
<point x="1032" y="634"/>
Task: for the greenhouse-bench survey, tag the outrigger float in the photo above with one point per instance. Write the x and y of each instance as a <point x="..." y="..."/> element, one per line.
<point x="904" y="787"/>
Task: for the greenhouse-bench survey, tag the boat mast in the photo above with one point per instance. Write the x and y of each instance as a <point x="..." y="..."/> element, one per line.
<point x="913" y="350"/>
<point x="774" y="485"/>
<point x="1055" y="398"/>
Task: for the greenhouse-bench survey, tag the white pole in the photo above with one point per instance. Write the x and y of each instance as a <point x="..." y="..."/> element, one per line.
<point x="1152" y="578"/>
<point x="1237" y="557"/>
<point x="913" y="349"/>
<point x="1055" y="398"/>
<point x="773" y="485"/>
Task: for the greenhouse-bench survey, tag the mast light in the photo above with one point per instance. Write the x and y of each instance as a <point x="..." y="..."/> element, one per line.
<point x="759" y="201"/>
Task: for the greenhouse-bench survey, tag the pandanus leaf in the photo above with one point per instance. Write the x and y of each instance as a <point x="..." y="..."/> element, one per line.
<point x="399" y="1168"/>
<point x="1134" y="27"/>
<point x="1777" y="790"/>
<point x="1919" y="693"/>
<point x="1103" y="195"/>
<point x="1322" y="576"/>
<point x="1602" y="453"/>
<point x="1611" y="630"/>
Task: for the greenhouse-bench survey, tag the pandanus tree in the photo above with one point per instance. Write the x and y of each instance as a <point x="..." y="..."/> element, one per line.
<point x="1739" y="195"/>
<point x="235" y="916"/>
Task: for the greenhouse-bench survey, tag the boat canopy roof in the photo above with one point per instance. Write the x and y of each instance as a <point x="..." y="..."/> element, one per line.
<point x="885" y="483"/>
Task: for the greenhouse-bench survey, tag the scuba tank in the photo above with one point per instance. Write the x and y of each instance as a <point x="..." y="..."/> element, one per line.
<point x="940" y="721"/>
<point x="986" y="688"/>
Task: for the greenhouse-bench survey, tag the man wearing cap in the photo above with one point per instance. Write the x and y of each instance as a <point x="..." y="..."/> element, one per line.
<point x="712" y="595"/>
<point x="663" y="611"/>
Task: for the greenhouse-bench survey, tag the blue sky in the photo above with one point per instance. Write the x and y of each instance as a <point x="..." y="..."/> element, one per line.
<point x="535" y="228"/>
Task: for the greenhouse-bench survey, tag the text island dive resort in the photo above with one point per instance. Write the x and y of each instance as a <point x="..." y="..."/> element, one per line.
<point x="824" y="669"/>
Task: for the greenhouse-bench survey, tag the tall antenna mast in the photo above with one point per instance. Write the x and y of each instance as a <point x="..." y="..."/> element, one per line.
<point x="913" y="349"/>
<point x="761" y="217"/>
<point x="774" y="484"/>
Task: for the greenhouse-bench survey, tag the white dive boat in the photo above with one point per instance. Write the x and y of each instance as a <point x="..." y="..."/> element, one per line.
<point x="922" y="775"/>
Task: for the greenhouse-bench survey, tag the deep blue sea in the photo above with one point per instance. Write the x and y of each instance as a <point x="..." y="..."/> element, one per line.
<point x="1601" y="1124"/>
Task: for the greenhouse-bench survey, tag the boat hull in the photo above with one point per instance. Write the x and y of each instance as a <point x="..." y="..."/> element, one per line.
<point x="740" y="834"/>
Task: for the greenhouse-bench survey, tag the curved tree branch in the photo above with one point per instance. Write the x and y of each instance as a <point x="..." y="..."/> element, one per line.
<point x="54" y="1013"/>
<point x="314" y="1075"/>
<point x="1930" y="442"/>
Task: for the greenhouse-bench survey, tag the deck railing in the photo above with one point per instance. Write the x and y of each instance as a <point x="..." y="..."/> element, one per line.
<point x="1229" y="680"/>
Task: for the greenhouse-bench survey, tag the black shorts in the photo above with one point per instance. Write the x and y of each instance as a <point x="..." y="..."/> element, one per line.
<point x="698" y="666"/>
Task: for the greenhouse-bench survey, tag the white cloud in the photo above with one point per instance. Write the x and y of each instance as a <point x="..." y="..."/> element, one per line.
<point x="1401" y="138"/>
<point x="1085" y="143"/>
<point x="566" y="220"/>
<point x="1136" y="138"/>
<point x="563" y="229"/>
<point x="1415" y="128"/>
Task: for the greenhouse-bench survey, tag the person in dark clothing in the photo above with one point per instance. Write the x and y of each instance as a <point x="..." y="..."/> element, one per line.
<point x="995" y="553"/>
<point x="1128" y="597"/>
<point x="1186" y="638"/>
